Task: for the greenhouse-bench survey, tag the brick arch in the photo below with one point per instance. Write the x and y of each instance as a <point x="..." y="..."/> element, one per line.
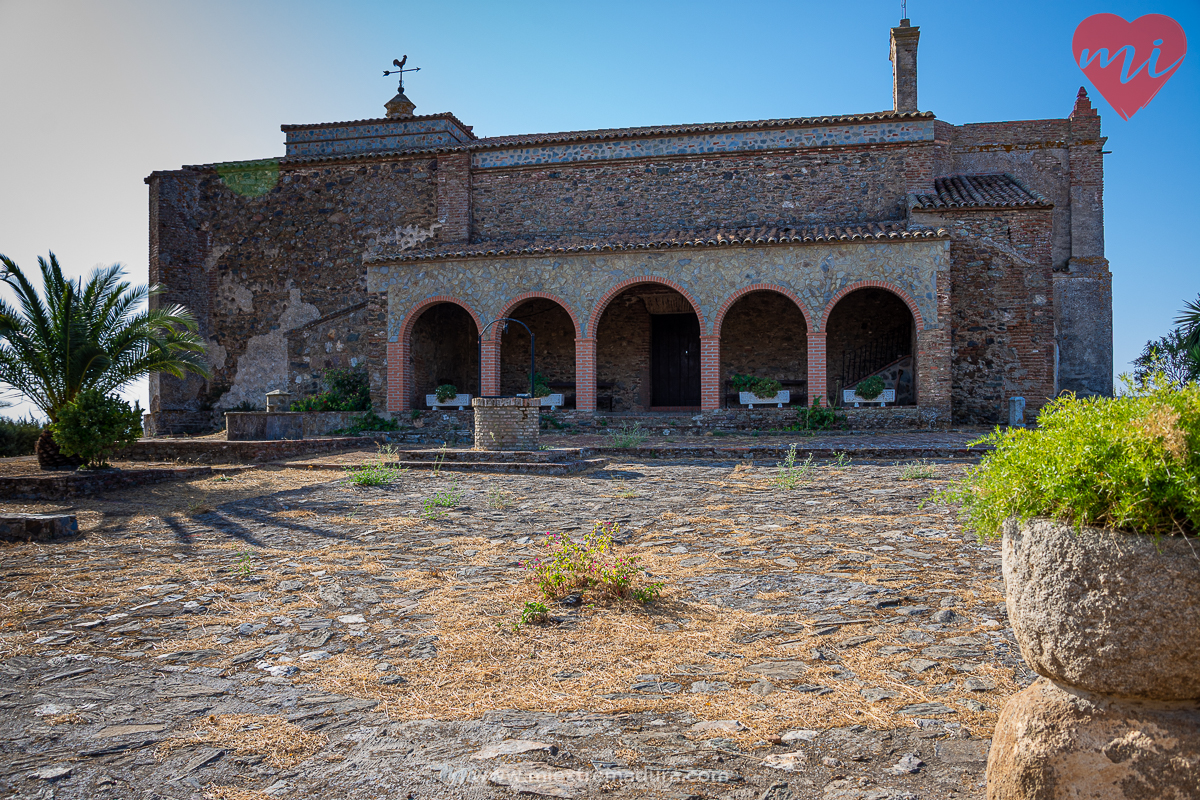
<point x="602" y="303"/>
<point x="413" y="315"/>
<point x="889" y="287"/>
<point x="494" y="333"/>
<point x="719" y="319"/>
<point x="399" y="362"/>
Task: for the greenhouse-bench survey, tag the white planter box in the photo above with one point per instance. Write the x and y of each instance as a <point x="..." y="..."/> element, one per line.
<point x="751" y="399"/>
<point x="552" y="400"/>
<point x="459" y="401"/>
<point x="888" y="396"/>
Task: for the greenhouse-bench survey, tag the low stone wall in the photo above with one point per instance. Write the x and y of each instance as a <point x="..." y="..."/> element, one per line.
<point x="215" y="451"/>
<point x="506" y="423"/>
<point x="58" y="486"/>
<point x="731" y="420"/>
<point x="175" y="423"/>
<point x="253" y="426"/>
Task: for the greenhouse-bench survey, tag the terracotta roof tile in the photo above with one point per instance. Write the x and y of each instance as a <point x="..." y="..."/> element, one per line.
<point x="998" y="190"/>
<point x="744" y="237"/>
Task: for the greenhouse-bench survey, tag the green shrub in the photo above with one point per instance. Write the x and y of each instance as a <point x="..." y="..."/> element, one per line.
<point x="445" y="392"/>
<point x="94" y="425"/>
<point x="540" y="387"/>
<point x="589" y="563"/>
<point x="369" y="421"/>
<point x="759" y="387"/>
<point x="1130" y="463"/>
<point x="18" y="436"/>
<point x="818" y="418"/>
<point x="870" y="388"/>
<point x="348" y="390"/>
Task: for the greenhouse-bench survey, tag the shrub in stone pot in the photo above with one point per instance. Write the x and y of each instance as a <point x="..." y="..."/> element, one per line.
<point x="1099" y="510"/>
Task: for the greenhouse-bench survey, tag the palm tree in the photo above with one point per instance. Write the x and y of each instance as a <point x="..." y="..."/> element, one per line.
<point x="1189" y="325"/>
<point x="91" y="335"/>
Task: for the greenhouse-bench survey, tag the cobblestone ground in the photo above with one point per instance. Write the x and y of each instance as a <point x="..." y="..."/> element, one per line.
<point x="282" y="633"/>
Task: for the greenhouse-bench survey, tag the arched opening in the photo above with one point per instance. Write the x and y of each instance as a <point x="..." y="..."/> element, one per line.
<point x="444" y="348"/>
<point x="554" y="349"/>
<point x="648" y="351"/>
<point x="764" y="335"/>
<point x="871" y="332"/>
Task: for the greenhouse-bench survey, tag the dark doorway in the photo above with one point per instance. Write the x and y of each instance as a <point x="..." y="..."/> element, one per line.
<point x="674" y="360"/>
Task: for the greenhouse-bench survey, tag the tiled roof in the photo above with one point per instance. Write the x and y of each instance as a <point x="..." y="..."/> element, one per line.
<point x="887" y="231"/>
<point x="999" y="190"/>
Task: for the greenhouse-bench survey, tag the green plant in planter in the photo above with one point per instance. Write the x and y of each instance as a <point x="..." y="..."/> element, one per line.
<point x="870" y="388"/>
<point x="540" y="387"/>
<point x="761" y="388"/>
<point x="1130" y="463"/>
<point x="445" y="392"/>
<point x="94" y="424"/>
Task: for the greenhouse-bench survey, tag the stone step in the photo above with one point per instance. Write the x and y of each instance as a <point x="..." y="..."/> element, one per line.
<point x="495" y="456"/>
<point x="510" y="467"/>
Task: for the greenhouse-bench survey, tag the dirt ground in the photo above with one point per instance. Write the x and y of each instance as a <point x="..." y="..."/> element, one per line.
<point x="284" y="633"/>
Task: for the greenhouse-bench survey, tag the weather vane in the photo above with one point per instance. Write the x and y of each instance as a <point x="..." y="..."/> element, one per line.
<point x="399" y="64"/>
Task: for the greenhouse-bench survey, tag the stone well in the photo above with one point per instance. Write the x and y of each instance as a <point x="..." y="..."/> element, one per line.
<point x="506" y="423"/>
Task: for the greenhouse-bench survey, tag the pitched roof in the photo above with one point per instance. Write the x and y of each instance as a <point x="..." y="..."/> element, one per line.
<point x="886" y="231"/>
<point x="996" y="190"/>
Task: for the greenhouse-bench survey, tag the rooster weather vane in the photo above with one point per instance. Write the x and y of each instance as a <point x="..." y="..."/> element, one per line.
<point x="400" y="70"/>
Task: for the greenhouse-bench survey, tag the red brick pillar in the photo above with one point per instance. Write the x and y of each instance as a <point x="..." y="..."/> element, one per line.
<point x="454" y="197"/>
<point x="398" y="379"/>
<point x="816" y="367"/>
<point x="491" y="367"/>
<point x="585" y="373"/>
<point x="710" y="373"/>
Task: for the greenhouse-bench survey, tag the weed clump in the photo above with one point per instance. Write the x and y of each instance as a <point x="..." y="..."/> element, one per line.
<point x="379" y="472"/>
<point x="1129" y="463"/>
<point x="917" y="471"/>
<point x="589" y="564"/>
<point x="626" y="436"/>
<point x="790" y="473"/>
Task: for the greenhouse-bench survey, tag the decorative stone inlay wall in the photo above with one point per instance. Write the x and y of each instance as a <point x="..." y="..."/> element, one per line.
<point x="813" y="273"/>
<point x="506" y="423"/>
<point x="913" y="130"/>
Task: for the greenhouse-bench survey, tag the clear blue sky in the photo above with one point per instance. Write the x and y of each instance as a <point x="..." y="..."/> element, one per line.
<point x="98" y="95"/>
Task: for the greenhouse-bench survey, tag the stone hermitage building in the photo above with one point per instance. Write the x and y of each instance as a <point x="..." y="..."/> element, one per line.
<point x="962" y="263"/>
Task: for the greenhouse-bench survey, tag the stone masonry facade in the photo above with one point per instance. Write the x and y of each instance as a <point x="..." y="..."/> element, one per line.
<point x="811" y="250"/>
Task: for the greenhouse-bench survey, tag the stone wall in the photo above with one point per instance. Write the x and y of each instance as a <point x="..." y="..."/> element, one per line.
<point x="1003" y="311"/>
<point x="259" y="252"/>
<point x="859" y="184"/>
<point x="623" y="353"/>
<point x="445" y="349"/>
<point x="764" y="335"/>
<point x="554" y="339"/>
<point x="860" y="319"/>
<point x="335" y="341"/>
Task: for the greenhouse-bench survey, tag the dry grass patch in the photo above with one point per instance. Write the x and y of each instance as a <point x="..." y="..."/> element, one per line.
<point x="281" y="743"/>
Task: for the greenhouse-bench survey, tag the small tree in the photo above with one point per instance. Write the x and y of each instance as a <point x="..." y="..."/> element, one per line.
<point x="94" y="424"/>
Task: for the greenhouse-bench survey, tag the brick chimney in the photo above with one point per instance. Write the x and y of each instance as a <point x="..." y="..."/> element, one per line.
<point x="904" y="66"/>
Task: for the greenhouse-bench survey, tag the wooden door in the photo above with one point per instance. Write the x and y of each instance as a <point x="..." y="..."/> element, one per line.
<point x="674" y="360"/>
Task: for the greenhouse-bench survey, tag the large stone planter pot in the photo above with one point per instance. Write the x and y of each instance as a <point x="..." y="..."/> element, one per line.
<point x="1110" y="620"/>
<point x="1107" y="612"/>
